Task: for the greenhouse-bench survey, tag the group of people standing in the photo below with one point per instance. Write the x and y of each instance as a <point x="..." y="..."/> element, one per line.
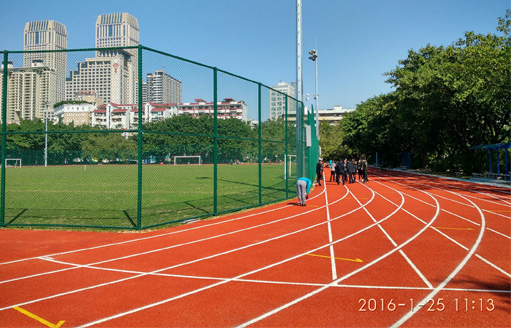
<point x="340" y="171"/>
<point x="347" y="170"/>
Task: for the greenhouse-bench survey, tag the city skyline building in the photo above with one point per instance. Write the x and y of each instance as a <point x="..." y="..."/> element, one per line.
<point x="107" y="77"/>
<point x="43" y="36"/>
<point x="120" y="30"/>
<point x="278" y="101"/>
<point x="161" y="88"/>
<point x="31" y="92"/>
<point x="78" y="114"/>
<point x="334" y="115"/>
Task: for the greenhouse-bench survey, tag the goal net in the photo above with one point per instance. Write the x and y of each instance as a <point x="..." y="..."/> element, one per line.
<point x="187" y="160"/>
<point x="13" y="162"/>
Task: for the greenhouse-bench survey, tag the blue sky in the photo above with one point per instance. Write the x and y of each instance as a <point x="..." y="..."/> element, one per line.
<point x="357" y="40"/>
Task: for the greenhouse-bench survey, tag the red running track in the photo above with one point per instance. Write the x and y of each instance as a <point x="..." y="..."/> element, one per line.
<point x="401" y="250"/>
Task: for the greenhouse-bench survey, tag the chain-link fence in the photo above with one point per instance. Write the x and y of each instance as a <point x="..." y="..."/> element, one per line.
<point x="133" y="138"/>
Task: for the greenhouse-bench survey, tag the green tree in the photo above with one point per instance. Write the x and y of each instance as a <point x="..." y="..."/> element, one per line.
<point x="331" y="141"/>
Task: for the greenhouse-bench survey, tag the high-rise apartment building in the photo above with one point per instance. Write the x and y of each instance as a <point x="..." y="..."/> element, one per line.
<point x="120" y="30"/>
<point x="161" y="88"/>
<point x="107" y="77"/>
<point x="47" y="35"/>
<point x="31" y="92"/>
<point x="278" y="99"/>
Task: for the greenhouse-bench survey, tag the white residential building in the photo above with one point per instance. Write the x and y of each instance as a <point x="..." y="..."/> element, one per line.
<point x="161" y="88"/>
<point x="334" y="115"/>
<point x="31" y="92"/>
<point x="78" y="114"/>
<point x="113" y="116"/>
<point x="278" y="99"/>
<point x="47" y="35"/>
<point x="153" y="113"/>
<point x="108" y="77"/>
<point x="229" y="108"/>
<point x="125" y="117"/>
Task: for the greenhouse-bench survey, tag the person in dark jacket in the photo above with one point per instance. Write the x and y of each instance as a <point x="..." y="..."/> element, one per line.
<point x="364" y="170"/>
<point x="345" y="174"/>
<point x="352" y="168"/>
<point x="359" y="170"/>
<point x="319" y="171"/>
<point x="339" y="172"/>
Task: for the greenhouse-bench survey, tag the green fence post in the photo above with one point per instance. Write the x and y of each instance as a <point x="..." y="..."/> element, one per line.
<point x="260" y="153"/>
<point x="286" y="151"/>
<point x="299" y="140"/>
<point x="4" y="143"/>
<point x="215" y="138"/>
<point x="140" y="141"/>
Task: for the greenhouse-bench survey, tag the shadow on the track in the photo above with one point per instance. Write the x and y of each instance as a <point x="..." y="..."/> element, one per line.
<point x="495" y="284"/>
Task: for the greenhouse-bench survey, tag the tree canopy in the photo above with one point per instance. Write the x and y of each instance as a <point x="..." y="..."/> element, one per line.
<point x="446" y="99"/>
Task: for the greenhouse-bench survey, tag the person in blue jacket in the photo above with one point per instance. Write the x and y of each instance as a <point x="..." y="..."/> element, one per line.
<point x="303" y="186"/>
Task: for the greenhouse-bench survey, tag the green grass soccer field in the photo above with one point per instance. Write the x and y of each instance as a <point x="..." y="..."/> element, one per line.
<point x="107" y="195"/>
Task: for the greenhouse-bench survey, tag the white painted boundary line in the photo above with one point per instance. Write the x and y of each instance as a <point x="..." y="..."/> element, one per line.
<point x="274" y="282"/>
<point x="164" y="248"/>
<point x="284" y="206"/>
<point x="249" y="273"/>
<point x="330" y="237"/>
<point x="181" y="264"/>
<point x="452" y="275"/>
<point x="464" y="204"/>
<point x="449" y="238"/>
<point x="234" y="278"/>
<point x="414" y="176"/>
<point x="414" y="267"/>
<point x="285" y="306"/>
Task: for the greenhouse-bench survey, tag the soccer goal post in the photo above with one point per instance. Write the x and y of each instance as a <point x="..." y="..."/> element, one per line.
<point x="288" y="161"/>
<point x="187" y="160"/>
<point x="13" y="162"/>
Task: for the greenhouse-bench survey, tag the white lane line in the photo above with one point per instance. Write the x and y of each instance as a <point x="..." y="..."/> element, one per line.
<point x="164" y="248"/>
<point x="193" y="261"/>
<point x="284" y="206"/>
<point x="255" y="271"/>
<point x="275" y="282"/>
<point x="287" y="305"/>
<point x="235" y="278"/>
<point x="451" y="239"/>
<point x="412" y="265"/>
<point x="480" y="192"/>
<point x="493" y="265"/>
<point x="453" y="273"/>
<point x="330" y="237"/>
<point x="454" y="214"/>
<point x="433" y="185"/>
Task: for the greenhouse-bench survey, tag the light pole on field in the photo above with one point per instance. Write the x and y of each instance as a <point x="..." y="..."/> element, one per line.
<point x="314" y="57"/>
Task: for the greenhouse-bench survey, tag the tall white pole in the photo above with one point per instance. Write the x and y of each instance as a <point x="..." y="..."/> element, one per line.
<point x="299" y="93"/>
<point x="299" y="75"/>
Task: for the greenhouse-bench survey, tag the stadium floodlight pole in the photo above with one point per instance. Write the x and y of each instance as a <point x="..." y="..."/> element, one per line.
<point x="46" y="134"/>
<point x="314" y="57"/>
<point x="299" y="74"/>
<point x="299" y="92"/>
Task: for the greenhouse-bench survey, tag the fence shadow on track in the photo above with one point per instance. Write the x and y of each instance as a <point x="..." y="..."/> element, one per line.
<point x="496" y="284"/>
